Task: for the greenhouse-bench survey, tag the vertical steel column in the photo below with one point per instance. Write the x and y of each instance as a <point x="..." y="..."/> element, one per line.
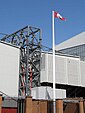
<point x="40" y="41"/>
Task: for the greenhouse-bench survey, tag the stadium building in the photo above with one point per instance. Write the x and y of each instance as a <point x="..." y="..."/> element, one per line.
<point x="26" y="70"/>
<point x="75" y="46"/>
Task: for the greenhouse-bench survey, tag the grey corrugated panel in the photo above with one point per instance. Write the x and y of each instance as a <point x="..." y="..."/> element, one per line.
<point x="9" y="103"/>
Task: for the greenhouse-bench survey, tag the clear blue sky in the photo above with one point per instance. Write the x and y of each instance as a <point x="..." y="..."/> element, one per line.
<point x="16" y="14"/>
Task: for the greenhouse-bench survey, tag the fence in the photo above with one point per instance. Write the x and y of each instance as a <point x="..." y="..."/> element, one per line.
<point x="73" y="105"/>
<point x="62" y="106"/>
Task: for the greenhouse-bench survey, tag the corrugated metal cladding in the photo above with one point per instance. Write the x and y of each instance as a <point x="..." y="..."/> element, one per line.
<point x="69" y="70"/>
<point x="9" y="103"/>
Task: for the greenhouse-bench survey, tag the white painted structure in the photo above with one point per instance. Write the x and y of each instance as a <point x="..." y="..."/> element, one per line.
<point x="69" y="70"/>
<point x="9" y="69"/>
<point x="46" y="93"/>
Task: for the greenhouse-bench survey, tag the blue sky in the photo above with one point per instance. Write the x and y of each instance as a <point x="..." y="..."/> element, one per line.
<point x="16" y="14"/>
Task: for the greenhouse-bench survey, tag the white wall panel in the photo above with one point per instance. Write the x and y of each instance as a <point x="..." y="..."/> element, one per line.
<point x="82" y="63"/>
<point x="9" y="69"/>
<point x="73" y="71"/>
<point x="61" y="70"/>
<point x="47" y="93"/>
<point x="44" y="68"/>
<point x="50" y="68"/>
<point x="68" y="70"/>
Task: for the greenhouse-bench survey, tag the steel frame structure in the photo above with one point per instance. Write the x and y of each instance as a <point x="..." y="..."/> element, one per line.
<point x="29" y="40"/>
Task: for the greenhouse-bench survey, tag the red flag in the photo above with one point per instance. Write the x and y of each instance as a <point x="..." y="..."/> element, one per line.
<point x="57" y="15"/>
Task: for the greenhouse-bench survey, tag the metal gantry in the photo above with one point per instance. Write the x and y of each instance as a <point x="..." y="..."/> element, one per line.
<point x="29" y="40"/>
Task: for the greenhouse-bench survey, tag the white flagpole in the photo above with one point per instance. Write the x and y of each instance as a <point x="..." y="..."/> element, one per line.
<point x="53" y="36"/>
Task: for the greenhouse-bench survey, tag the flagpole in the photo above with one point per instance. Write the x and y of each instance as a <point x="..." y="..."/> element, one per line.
<point x="53" y="36"/>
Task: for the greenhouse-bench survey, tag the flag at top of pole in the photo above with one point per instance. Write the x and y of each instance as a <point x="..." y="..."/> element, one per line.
<point x="57" y="15"/>
<point x="54" y="15"/>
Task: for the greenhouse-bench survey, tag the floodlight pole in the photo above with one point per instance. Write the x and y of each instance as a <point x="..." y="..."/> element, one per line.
<point x="53" y="37"/>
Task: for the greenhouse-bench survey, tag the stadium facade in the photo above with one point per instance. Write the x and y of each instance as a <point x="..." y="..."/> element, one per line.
<point x="75" y="46"/>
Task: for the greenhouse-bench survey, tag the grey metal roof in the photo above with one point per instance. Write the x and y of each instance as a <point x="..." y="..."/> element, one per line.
<point x="74" y="41"/>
